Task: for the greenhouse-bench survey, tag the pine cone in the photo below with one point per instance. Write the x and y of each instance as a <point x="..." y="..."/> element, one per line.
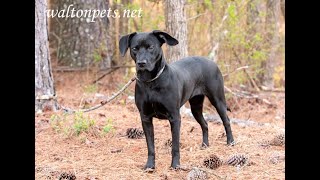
<point x="196" y="174"/>
<point x="134" y="133"/>
<point x="278" y="140"/>
<point x="168" y="143"/>
<point x="238" y="159"/>
<point x="212" y="162"/>
<point x="67" y="176"/>
<point x="274" y="160"/>
<point x="276" y="157"/>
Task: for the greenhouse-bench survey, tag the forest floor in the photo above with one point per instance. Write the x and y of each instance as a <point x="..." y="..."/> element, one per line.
<point x="68" y="144"/>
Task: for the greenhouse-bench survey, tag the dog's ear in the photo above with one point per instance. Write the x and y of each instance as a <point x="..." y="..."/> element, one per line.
<point x="165" y="38"/>
<point x="124" y="43"/>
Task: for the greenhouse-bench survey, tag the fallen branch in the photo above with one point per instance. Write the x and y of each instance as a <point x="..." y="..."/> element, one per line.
<point x="240" y="122"/>
<point x="102" y="103"/>
<point x="263" y="88"/>
<point x="68" y="69"/>
<point x="110" y="71"/>
<point x="245" y="94"/>
<point x="124" y="66"/>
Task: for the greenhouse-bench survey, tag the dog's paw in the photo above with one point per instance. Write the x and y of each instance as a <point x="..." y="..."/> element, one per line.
<point x="204" y="146"/>
<point x="175" y="168"/>
<point x="149" y="170"/>
<point x="231" y="143"/>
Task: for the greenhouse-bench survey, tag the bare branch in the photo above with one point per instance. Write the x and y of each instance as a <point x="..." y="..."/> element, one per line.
<point x="238" y="69"/>
<point x="245" y="94"/>
<point x="253" y="83"/>
<point x="110" y="71"/>
<point x="102" y="103"/>
<point x="264" y="88"/>
<point x="68" y="69"/>
<point x="221" y="34"/>
<point x="194" y="17"/>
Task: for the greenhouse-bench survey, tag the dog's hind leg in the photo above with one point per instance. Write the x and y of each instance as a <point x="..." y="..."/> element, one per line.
<point x="196" y="104"/>
<point x="220" y="104"/>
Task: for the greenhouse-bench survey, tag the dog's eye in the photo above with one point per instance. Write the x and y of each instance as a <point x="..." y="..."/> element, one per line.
<point x="150" y="47"/>
<point x="134" y="49"/>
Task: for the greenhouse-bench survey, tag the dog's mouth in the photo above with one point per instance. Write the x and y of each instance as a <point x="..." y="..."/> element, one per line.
<point x="144" y="68"/>
<point x="140" y="68"/>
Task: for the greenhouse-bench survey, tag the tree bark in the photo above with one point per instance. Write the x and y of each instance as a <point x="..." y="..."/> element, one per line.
<point x="80" y="42"/>
<point x="176" y="26"/>
<point x="123" y="29"/>
<point x="44" y="88"/>
<point x="272" y="30"/>
<point x="123" y="24"/>
<point x="254" y="27"/>
<point x="283" y="3"/>
<point x="253" y="19"/>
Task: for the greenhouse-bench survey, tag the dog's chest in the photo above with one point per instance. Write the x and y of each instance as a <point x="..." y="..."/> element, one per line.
<point x="154" y="104"/>
<point x="158" y="110"/>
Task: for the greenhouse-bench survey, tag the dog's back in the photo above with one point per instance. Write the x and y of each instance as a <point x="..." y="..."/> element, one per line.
<point x="199" y="72"/>
<point x="197" y="67"/>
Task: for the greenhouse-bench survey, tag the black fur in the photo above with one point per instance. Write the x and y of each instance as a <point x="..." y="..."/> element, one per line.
<point x="189" y="79"/>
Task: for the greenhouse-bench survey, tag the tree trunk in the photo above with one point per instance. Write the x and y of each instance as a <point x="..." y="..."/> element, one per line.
<point x="254" y="19"/>
<point x="272" y="30"/>
<point x="283" y="3"/>
<point x="254" y="27"/>
<point x="81" y="41"/>
<point x="123" y="27"/>
<point x="123" y="24"/>
<point x="44" y="89"/>
<point x="176" y="24"/>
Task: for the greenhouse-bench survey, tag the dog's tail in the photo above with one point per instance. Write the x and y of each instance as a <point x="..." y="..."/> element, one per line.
<point x="228" y="109"/>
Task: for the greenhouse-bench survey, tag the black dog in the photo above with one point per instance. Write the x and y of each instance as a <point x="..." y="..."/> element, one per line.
<point x="161" y="88"/>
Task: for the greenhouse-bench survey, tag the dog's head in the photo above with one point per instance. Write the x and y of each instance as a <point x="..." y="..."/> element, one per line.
<point x="145" y="48"/>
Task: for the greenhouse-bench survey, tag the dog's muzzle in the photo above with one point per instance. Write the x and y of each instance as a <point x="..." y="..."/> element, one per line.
<point x="142" y="63"/>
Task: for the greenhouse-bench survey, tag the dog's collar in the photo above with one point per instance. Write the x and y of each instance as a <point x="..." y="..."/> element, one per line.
<point x="157" y="76"/>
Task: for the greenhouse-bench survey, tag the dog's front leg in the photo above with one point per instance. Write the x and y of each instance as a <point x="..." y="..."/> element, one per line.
<point x="175" y="123"/>
<point x="147" y="126"/>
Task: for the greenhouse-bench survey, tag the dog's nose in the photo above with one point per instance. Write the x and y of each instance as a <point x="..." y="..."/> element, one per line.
<point x="142" y="63"/>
